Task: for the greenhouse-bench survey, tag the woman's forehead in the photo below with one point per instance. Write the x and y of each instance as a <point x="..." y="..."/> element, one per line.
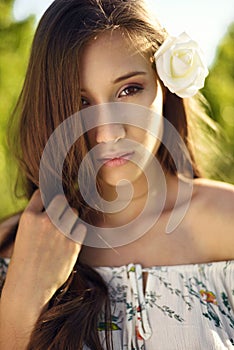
<point x="110" y="39"/>
<point x="113" y="53"/>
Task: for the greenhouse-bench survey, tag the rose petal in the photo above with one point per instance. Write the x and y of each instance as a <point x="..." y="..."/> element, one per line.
<point x="181" y="65"/>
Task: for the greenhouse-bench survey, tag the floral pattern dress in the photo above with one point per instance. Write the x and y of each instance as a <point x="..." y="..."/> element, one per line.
<point x="182" y="307"/>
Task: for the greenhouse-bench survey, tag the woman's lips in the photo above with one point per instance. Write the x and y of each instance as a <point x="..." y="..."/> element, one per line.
<point x="117" y="160"/>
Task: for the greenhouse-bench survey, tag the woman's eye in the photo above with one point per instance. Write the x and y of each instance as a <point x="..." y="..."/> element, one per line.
<point x="130" y="91"/>
<point x="84" y="102"/>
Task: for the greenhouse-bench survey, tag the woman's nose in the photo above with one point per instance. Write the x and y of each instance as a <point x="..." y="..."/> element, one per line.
<point x="109" y="132"/>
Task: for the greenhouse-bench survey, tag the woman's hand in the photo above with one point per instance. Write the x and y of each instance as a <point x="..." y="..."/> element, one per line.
<point x="43" y="259"/>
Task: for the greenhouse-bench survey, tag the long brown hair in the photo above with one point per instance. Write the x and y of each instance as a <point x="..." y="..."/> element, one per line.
<point x="51" y="93"/>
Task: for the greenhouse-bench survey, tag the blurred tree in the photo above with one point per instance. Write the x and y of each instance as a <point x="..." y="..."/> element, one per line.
<point x="218" y="91"/>
<point x="15" y="40"/>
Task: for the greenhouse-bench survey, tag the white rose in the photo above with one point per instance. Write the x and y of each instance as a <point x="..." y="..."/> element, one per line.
<point x="181" y="65"/>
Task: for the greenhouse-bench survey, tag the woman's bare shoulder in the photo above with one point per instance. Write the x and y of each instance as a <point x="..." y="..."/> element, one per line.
<point x="213" y="209"/>
<point x="213" y="184"/>
<point x="219" y="196"/>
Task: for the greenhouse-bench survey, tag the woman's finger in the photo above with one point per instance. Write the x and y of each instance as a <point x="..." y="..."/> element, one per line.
<point x="35" y="204"/>
<point x="57" y="207"/>
<point x="67" y="220"/>
<point x="78" y="233"/>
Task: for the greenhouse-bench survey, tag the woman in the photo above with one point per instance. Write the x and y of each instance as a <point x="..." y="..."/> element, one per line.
<point x="142" y="288"/>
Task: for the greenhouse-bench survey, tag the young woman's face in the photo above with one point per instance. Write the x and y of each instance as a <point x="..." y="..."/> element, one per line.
<point x="112" y="70"/>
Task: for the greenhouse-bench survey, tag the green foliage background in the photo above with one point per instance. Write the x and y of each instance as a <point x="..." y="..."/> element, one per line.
<point x="219" y="91"/>
<point x="15" y="41"/>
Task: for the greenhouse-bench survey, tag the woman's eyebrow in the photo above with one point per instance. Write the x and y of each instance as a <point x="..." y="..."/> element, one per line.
<point x="123" y="77"/>
<point x="128" y="75"/>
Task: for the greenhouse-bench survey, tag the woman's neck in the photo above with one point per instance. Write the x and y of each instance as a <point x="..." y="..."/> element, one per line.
<point x="154" y="195"/>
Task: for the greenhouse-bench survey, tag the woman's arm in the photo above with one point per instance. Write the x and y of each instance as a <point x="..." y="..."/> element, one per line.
<point x="42" y="261"/>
